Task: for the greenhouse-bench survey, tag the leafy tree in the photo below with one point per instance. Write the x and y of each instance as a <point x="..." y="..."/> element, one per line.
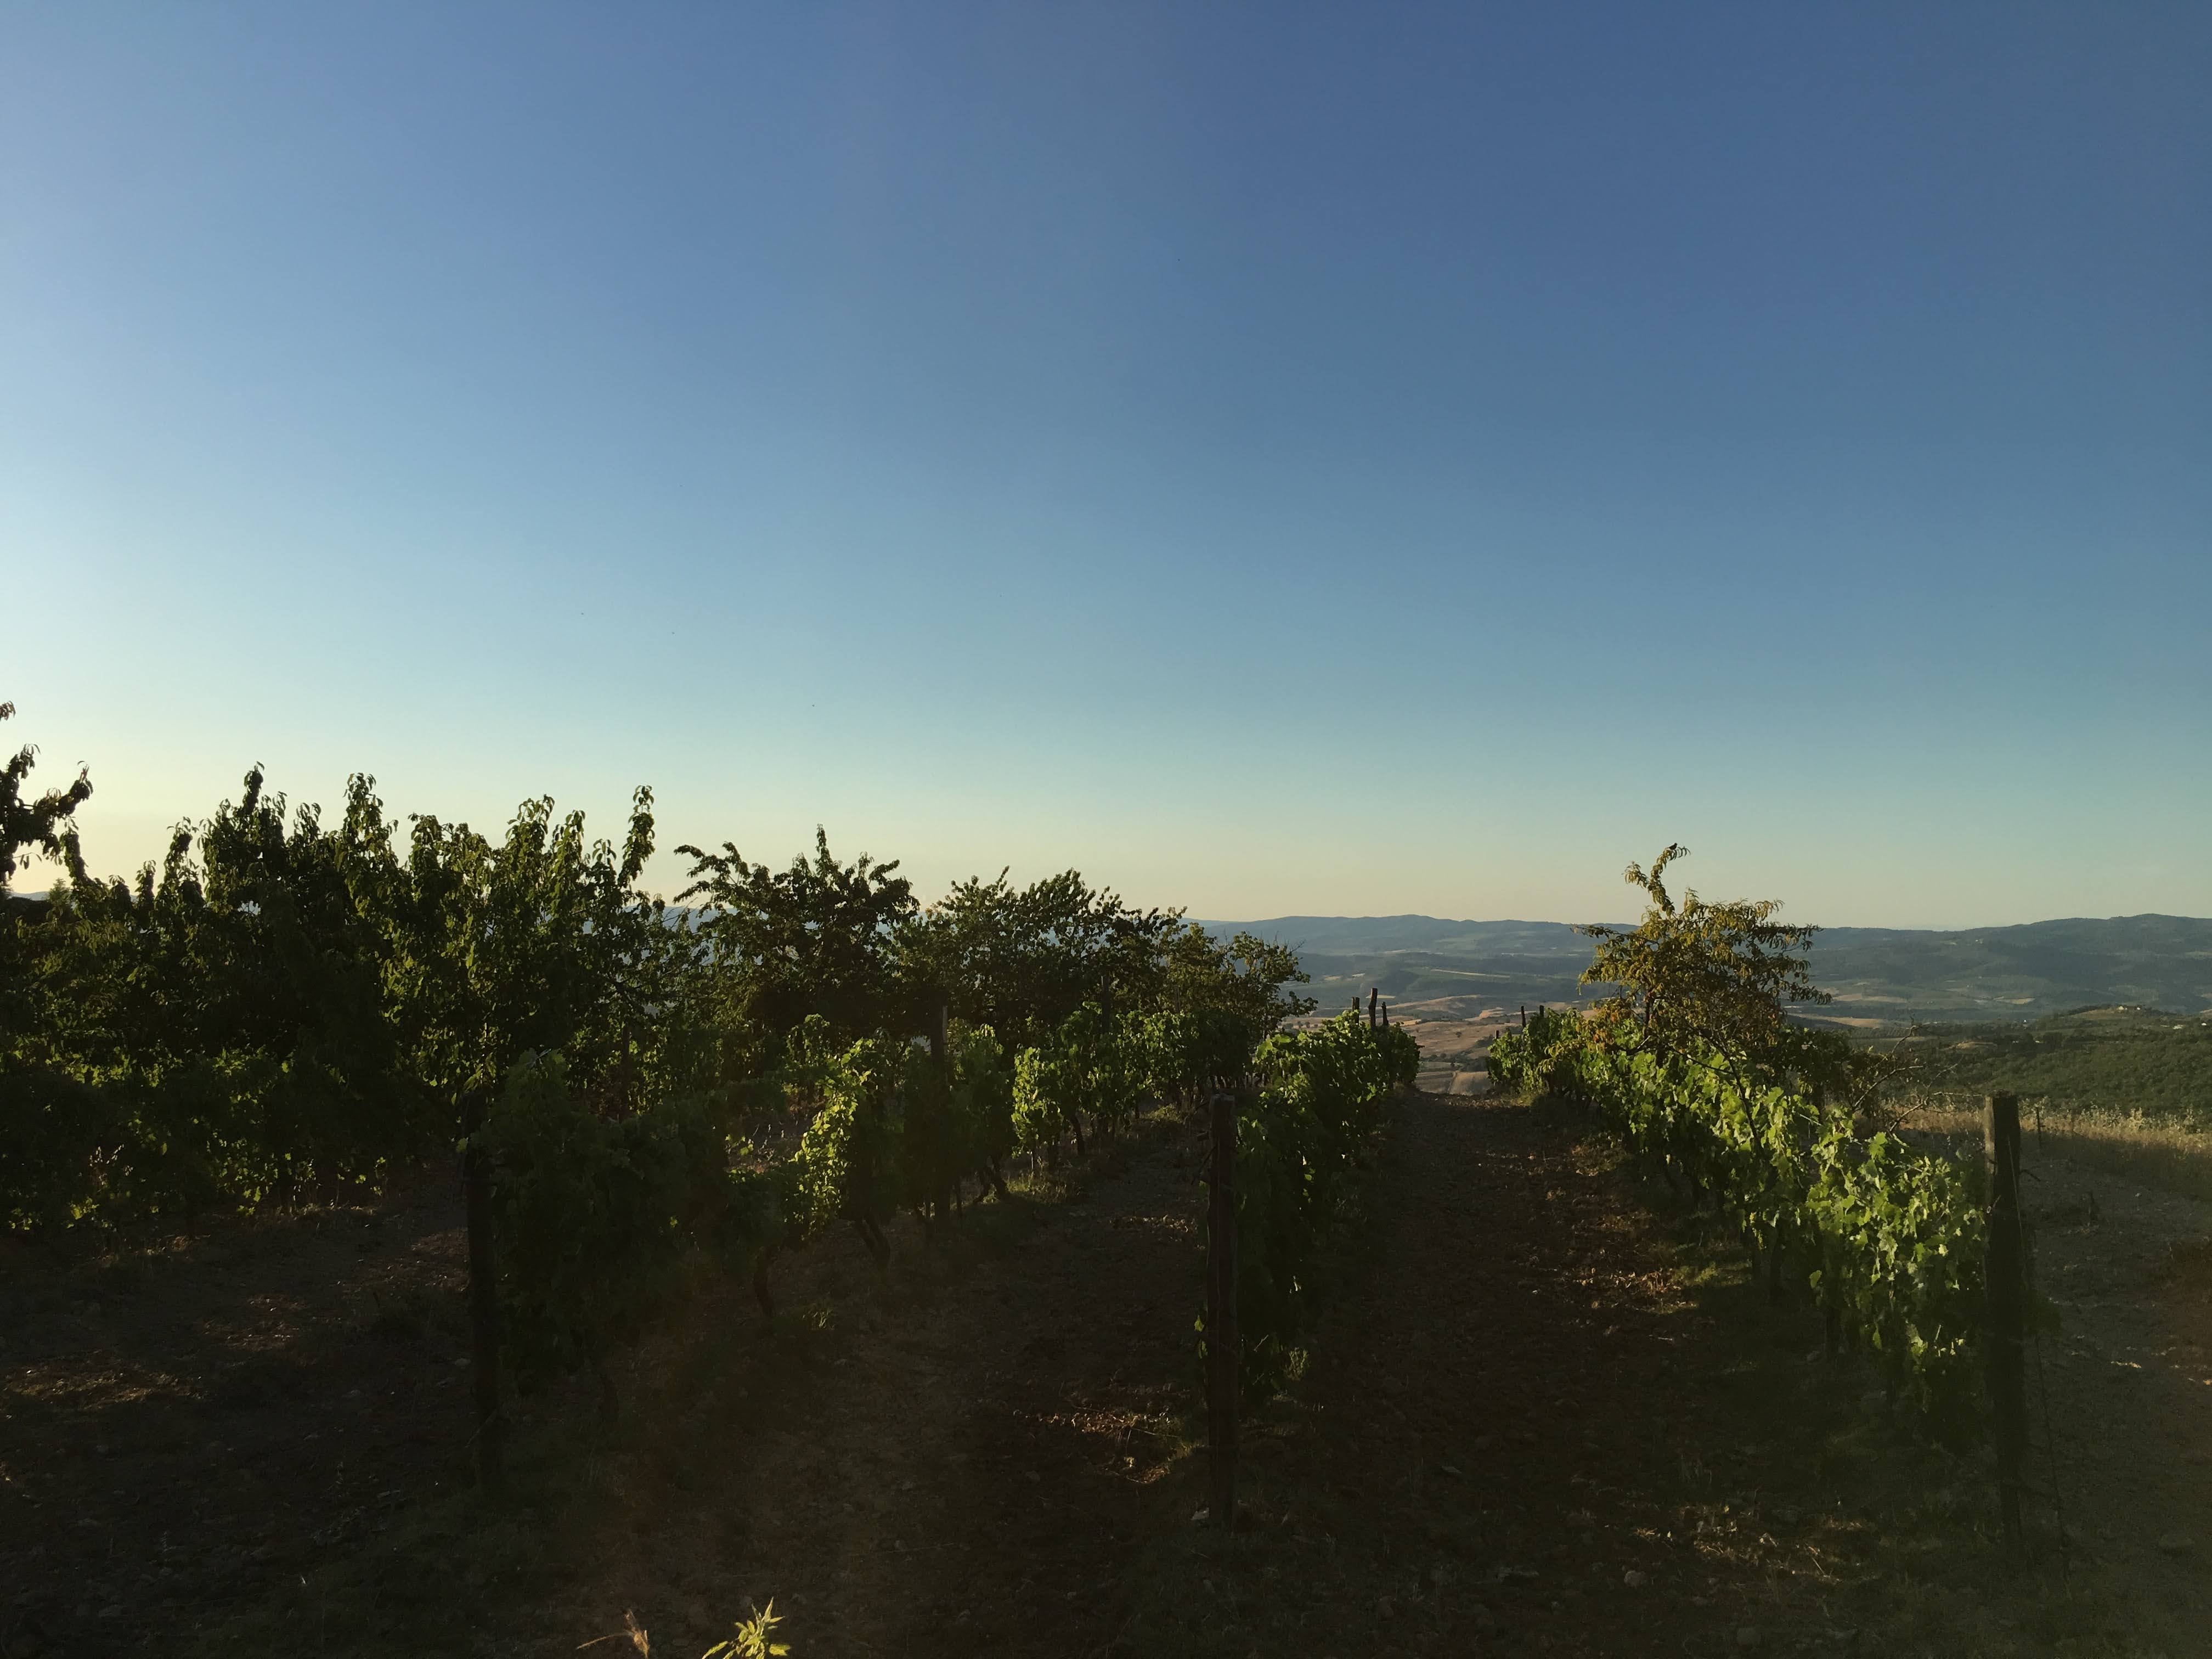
<point x="1721" y="975"/>
<point x="813" y="940"/>
<point x="504" y="955"/>
<point x="229" y="1010"/>
<point x="1022" y="960"/>
<point x="41" y="824"/>
<point x="52" y="1125"/>
<point x="539" y="943"/>
<point x="285" y="934"/>
<point x="1243" y="979"/>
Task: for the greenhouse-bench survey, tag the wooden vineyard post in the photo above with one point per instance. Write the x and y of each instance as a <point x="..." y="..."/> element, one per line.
<point x="2005" y="1285"/>
<point x="1374" y="1000"/>
<point x="1222" y="1346"/>
<point x="484" y="1297"/>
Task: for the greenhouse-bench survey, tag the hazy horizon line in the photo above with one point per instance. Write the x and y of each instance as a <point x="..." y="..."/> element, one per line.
<point x="1547" y="921"/>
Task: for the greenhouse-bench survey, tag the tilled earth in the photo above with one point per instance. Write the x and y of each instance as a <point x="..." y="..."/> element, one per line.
<point x="2120" y="1394"/>
<point x="184" y="1424"/>
<point x="1537" y="1417"/>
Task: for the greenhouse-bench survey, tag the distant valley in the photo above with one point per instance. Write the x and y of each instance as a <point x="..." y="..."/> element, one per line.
<point x="1445" y="968"/>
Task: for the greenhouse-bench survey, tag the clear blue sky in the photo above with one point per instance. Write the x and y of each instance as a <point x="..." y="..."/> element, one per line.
<point x="1346" y="459"/>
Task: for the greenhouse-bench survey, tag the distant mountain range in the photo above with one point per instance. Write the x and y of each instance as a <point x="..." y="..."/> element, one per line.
<point x="1887" y="973"/>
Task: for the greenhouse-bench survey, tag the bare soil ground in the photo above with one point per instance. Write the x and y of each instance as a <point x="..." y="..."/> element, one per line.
<point x="1544" y="1412"/>
<point x="185" y="1424"/>
<point x="2122" y="1391"/>
<point x="1455" y="1048"/>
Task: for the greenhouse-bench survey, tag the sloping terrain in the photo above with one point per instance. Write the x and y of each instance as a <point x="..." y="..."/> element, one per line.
<point x="2041" y="968"/>
<point x="1890" y="975"/>
<point x="2109" y="1060"/>
<point x="1424" y="959"/>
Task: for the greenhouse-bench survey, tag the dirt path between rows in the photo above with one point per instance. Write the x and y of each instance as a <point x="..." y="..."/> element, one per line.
<point x="968" y="1453"/>
<point x="1491" y="1444"/>
<point x="990" y="1458"/>
<point x="1542" y="1414"/>
<point x="1519" y="1432"/>
<point x="2120" y="1394"/>
<point x="187" y="1423"/>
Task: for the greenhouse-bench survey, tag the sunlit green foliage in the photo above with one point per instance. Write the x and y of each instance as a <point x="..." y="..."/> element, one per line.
<point x="1721" y="975"/>
<point x="1089" y="1070"/>
<point x="1044" y="1081"/>
<point x="752" y="1638"/>
<point x="1300" y="1136"/>
<point x="1886" y="1237"/>
<point x="981" y="1099"/>
<point x="824" y="1145"/>
<point x="2105" y="1059"/>
<point x="1523" y="1059"/>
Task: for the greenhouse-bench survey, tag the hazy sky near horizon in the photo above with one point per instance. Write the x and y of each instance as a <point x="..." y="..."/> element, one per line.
<point x="1277" y="459"/>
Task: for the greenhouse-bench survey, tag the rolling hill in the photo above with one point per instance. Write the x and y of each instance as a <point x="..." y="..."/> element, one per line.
<point x="1882" y="974"/>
